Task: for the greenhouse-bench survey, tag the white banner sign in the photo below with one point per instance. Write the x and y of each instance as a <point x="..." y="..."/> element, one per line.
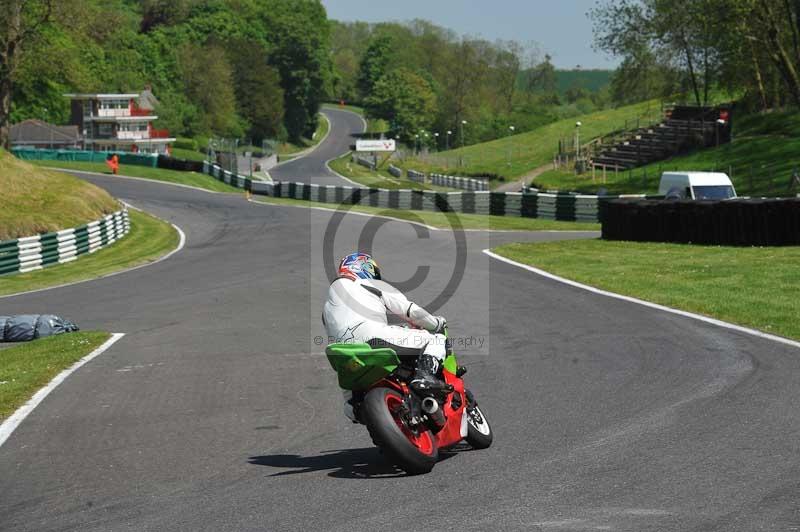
<point x="375" y="145"/>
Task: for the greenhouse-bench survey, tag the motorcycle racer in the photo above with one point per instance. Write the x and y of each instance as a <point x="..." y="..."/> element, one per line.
<point x="356" y="312"/>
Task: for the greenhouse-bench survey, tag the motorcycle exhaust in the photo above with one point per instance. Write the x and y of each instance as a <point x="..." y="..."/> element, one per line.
<point x="430" y="405"/>
<point x="431" y="408"/>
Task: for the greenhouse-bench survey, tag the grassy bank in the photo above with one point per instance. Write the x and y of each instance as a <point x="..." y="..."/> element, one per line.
<point x="516" y="155"/>
<point x="287" y="150"/>
<point x="754" y="287"/>
<point x="194" y="179"/>
<point x="441" y="220"/>
<point x="36" y="200"/>
<point x="761" y="160"/>
<point x="380" y="178"/>
<point x="27" y="367"/>
<point x="149" y="239"/>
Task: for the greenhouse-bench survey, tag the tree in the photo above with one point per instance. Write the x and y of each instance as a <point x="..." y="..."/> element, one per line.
<point x="20" y="22"/>
<point x="406" y="100"/>
<point x="299" y="45"/>
<point x="374" y="64"/>
<point x="258" y="91"/>
<point x="208" y="79"/>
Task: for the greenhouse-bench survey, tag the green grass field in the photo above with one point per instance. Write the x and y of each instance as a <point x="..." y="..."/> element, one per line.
<point x="37" y="200"/>
<point x="761" y="161"/>
<point x="149" y="239"/>
<point x="377" y="179"/>
<point x="516" y="155"/>
<point x="157" y="174"/>
<point x="754" y="287"/>
<point x="447" y="221"/>
<point x="27" y="367"/>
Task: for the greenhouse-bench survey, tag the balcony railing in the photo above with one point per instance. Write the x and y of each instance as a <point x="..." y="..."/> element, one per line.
<point x="135" y="111"/>
<point x="159" y="134"/>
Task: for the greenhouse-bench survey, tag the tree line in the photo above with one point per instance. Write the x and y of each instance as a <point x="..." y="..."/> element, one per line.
<point x="256" y="68"/>
<point x="748" y="48"/>
<point x="427" y="80"/>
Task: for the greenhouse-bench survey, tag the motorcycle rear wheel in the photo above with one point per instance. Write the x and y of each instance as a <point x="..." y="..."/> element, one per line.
<point x="413" y="452"/>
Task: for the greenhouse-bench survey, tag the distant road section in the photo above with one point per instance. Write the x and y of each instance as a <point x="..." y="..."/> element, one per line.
<point x="312" y="168"/>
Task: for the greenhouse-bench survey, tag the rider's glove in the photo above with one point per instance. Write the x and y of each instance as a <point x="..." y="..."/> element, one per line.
<point x="441" y="325"/>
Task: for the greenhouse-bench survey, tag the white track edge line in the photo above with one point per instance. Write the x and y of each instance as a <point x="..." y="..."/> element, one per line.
<point x="656" y="306"/>
<point x="181" y="244"/>
<point x="10" y="424"/>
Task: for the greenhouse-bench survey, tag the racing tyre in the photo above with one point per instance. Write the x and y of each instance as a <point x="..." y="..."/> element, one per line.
<point x="413" y="452"/>
<point x="479" y="432"/>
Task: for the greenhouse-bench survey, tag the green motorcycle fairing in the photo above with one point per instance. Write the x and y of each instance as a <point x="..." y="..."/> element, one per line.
<point x="359" y="366"/>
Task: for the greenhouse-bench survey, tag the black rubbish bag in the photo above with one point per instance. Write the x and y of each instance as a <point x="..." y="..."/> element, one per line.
<point x="27" y="327"/>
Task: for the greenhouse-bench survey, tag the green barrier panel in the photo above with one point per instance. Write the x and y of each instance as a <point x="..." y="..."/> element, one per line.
<point x="86" y="156"/>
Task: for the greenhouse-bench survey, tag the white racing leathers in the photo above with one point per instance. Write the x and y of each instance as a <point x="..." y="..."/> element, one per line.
<point x="356" y="312"/>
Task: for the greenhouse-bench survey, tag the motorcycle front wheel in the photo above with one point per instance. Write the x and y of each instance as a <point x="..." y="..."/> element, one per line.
<point x="415" y="452"/>
<point x="479" y="432"/>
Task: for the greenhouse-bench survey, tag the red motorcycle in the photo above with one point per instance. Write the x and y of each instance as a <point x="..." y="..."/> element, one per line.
<point x="407" y="428"/>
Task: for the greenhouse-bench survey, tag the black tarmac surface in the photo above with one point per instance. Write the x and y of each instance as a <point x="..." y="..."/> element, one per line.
<point x="312" y="168"/>
<point x="218" y="412"/>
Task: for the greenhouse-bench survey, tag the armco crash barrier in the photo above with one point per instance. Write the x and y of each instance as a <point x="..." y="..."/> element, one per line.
<point x="742" y="222"/>
<point x="36" y="252"/>
<point x="566" y="207"/>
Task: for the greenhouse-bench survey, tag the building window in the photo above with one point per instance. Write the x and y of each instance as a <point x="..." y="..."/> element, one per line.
<point x="104" y="130"/>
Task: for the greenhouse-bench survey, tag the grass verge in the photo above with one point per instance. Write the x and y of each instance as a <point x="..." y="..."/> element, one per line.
<point x="754" y="287"/>
<point x="156" y="174"/>
<point x="380" y="178"/>
<point x="288" y="150"/>
<point x="27" y="367"/>
<point x="149" y="239"/>
<point x="443" y="221"/>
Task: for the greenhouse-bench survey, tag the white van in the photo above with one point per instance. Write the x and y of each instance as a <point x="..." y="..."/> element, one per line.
<point x="696" y="185"/>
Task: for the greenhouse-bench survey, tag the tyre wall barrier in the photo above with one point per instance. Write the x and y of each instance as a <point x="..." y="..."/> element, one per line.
<point x="464" y="183"/>
<point x="417" y="177"/>
<point x="395" y="171"/>
<point x="744" y="222"/>
<point x="364" y="161"/>
<point x="36" y="252"/>
<point x="565" y="207"/>
<point x="35" y="154"/>
<point x="182" y="165"/>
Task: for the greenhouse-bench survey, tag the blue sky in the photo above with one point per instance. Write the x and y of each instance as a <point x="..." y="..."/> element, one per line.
<point x="560" y="27"/>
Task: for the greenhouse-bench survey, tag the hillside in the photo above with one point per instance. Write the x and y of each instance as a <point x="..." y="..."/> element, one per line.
<point x="36" y="200"/>
<point x="516" y="155"/>
<point x="761" y="160"/>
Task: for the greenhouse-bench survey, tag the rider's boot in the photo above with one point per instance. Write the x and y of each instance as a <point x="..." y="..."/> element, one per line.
<point x="425" y="381"/>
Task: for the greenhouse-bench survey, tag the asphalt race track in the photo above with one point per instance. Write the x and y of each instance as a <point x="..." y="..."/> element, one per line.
<point x="218" y="412"/>
<point x="312" y="169"/>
